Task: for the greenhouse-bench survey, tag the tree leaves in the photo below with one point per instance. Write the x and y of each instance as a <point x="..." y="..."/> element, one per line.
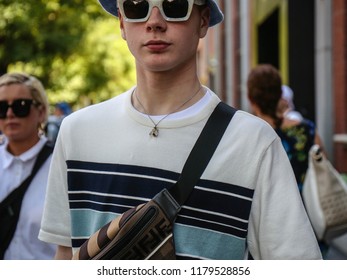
<point x="73" y="46"/>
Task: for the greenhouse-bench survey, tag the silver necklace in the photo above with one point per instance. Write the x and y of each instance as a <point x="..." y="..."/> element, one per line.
<point x="155" y="130"/>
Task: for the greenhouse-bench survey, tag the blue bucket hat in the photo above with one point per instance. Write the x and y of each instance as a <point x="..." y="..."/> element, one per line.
<point x="217" y="16"/>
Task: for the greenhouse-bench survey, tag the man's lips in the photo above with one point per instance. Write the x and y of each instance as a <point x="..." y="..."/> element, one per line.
<point x="157" y="45"/>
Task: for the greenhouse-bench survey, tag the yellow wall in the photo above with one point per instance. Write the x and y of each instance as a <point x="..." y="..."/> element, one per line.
<point x="261" y="10"/>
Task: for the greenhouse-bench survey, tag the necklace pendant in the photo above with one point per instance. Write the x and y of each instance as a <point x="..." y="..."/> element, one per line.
<point x="154" y="132"/>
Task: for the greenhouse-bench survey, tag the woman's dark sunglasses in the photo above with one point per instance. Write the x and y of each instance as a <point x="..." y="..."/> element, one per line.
<point x="20" y="107"/>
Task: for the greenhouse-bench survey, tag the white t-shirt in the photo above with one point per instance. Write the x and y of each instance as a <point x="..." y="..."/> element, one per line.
<point x="105" y="162"/>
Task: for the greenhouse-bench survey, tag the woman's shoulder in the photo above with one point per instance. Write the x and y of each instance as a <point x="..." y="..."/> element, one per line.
<point x="294" y="129"/>
<point x="289" y="123"/>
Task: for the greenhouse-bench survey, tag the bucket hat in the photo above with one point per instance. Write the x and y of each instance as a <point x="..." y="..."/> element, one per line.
<point x="217" y="16"/>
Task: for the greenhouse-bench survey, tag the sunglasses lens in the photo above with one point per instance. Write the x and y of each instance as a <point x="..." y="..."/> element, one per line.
<point x="20" y="107"/>
<point x="3" y="109"/>
<point x="139" y="9"/>
<point x="135" y="9"/>
<point x="175" y="9"/>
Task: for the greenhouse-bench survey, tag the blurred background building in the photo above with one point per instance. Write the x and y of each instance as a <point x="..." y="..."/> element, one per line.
<point x="306" y="40"/>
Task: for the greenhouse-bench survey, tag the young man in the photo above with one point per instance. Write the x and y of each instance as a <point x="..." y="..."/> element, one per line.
<point x="115" y="155"/>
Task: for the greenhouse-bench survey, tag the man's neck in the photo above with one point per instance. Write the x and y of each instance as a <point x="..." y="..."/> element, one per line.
<point x="163" y="98"/>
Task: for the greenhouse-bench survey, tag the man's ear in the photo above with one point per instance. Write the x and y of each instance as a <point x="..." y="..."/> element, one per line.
<point x="121" y="25"/>
<point x="123" y="34"/>
<point x="205" y="20"/>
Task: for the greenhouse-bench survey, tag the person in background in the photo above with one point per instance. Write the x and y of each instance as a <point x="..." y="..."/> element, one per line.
<point x="286" y="104"/>
<point x="264" y="93"/>
<point x="23" y="112"/>
<point x="61" y="110"/>
<point x="112" y="156"/>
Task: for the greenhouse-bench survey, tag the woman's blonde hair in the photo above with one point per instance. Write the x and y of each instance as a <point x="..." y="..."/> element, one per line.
<point x="35" y="87"/>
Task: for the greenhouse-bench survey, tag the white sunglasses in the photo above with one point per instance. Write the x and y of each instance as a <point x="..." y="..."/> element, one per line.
<point x="171" y="10"/>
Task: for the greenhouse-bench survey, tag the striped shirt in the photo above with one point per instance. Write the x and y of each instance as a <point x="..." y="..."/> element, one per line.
<point x="105" y="162"/>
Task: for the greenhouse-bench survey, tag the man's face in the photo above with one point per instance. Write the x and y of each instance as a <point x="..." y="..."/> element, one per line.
<point x="159" y="45"/>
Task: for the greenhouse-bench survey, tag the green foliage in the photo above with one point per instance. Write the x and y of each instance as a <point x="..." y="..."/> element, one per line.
<point x="73" y="46"/>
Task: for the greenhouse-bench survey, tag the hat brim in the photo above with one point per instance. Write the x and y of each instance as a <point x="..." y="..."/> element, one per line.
<point x="217" y="16"/>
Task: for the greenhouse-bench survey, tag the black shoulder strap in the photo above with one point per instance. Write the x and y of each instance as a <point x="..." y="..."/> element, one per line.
<point x="41" y="158"/>
<point x="11" y="205"/>
<point x="202" y="151"/>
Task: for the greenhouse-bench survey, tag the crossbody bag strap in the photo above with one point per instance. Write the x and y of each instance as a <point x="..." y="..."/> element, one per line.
<point x="202" y="152"/>
<point x="11" y="205"/>
<point x="41" y="158"/>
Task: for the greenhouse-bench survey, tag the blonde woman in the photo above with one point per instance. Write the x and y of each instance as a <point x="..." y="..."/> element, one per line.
<point x="23" y="112"/>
